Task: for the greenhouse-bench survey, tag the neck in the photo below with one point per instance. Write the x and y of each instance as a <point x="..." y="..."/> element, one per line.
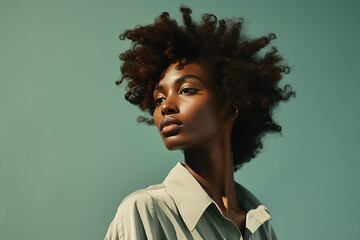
<point x="212" y="167"/>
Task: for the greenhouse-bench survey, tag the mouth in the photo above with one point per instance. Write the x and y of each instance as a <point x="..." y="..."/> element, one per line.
<point x="170" y="126"/>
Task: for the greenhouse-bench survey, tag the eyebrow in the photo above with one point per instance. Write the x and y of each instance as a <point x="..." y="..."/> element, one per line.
<point x="181" y="79"/>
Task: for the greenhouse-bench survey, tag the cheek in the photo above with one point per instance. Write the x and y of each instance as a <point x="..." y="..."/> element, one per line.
<point x="157" y="118"/>
<point x="206" y="119"/>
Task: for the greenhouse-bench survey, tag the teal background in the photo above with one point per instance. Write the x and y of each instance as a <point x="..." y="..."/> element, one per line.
<point x="70" y="148"/>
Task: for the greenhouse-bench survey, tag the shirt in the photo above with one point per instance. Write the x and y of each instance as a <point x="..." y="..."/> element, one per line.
<point x="179" y="208"/>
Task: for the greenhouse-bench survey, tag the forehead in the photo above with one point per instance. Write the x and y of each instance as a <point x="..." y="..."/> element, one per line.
<point x="172" y="73"/>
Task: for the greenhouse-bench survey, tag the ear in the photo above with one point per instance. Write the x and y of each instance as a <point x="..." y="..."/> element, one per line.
<point x="232" y="112"/>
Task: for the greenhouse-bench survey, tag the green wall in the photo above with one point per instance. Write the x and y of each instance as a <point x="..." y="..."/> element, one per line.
<point x="70" y="148"/>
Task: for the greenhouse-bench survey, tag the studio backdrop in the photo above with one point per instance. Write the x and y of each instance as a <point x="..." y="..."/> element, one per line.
<point x="71" y="149"/>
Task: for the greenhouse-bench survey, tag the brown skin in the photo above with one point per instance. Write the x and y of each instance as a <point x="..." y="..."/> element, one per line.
<point x="200" y="125"/>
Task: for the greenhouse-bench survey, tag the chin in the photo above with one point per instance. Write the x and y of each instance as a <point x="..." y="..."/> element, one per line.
<point x="172" y="144"/>
<point x="172" y="147"/>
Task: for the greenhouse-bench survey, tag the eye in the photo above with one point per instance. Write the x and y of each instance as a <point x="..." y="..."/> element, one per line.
<point x="188" y="91"/>
<point x="159" y="100"/>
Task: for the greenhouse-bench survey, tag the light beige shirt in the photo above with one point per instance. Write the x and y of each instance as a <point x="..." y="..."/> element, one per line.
<point x="179" y="208"/>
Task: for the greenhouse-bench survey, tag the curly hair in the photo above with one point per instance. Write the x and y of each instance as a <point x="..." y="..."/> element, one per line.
<point x="244" y="78"/>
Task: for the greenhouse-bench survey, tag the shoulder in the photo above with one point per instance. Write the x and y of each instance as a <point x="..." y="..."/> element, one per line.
<point x="258" y="215"/>
<point x="136" y="214"/>
<point x="141" y="200"/>
<point x="247" y="199"/>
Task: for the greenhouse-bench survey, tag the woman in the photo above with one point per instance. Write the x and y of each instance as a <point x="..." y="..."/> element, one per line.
<point x="210" y="94"/>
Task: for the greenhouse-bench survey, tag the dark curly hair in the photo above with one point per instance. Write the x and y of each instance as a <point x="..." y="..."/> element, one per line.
<point x="245" y="78"/>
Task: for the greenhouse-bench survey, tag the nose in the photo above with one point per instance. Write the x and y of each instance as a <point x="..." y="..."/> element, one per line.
<point x="169" y="106"/>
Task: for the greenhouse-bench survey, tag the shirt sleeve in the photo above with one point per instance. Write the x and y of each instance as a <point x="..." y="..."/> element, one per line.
<point x="135" y="219"/>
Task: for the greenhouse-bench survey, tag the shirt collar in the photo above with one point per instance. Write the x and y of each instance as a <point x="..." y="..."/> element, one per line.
<point x="189" y="197"/>
<point x="257" y="213"/>
<point x="192" y="200"/>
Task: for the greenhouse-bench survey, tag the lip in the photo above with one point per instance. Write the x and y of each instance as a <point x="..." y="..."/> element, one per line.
<point x="170" y="126"/>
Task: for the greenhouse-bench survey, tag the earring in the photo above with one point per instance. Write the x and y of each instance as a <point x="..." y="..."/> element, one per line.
<point x="232" y="112"/>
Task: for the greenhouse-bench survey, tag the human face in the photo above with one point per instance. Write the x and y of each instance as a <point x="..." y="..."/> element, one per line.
<point x="188" y="113"/>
